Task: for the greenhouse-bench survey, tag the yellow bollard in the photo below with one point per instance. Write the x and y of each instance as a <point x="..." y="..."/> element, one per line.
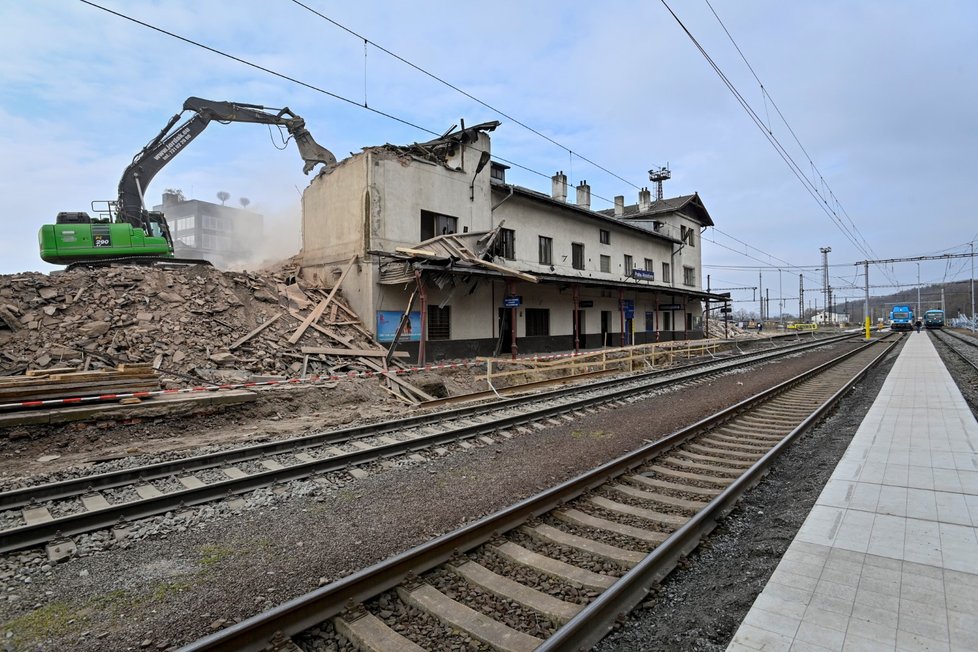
<point x="867" y="328"/>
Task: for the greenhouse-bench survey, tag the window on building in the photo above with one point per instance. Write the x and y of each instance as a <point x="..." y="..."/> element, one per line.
<point x="629" y="265"/>
<point x="498" y="172"/>
<point x="687" y="235"/>
<point x="650" y="321"/>
<point x="689" y="275"/>
<point x="433" y="224"/>
<point x="187" y="223"/>
<point x="505" y="244"/>
<point x="189" y="240"/>
<point x="605" y="263"/>
<point x="439" y="323"/>
<point x="666" y="273"/>
<point x="648" y="265"/>
<point x="605" y="236"/>
<point x="667" y="321"/>
<point x="213" y="223"/>
<point x="537" y="321"/>
<point x="577" y="255"/>
<point x="546" y="250"/>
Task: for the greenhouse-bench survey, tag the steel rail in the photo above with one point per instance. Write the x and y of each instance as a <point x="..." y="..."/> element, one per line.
<point x="306" y="611"/>
<point x="86" y="521"/>
<point x="25" y="496"/>
<point x="593" y="622"/>
<point x="955" y="350"/>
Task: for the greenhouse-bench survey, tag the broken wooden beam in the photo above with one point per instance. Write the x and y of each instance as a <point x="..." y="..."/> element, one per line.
<point x="250" y="335"/>
<point x="318" y="310"/>
<point x="399" y="381"/>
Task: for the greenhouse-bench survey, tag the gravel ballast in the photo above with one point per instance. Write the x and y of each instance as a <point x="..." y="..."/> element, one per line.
<point x="700" y="605"/>
<point x="217" y="565"/>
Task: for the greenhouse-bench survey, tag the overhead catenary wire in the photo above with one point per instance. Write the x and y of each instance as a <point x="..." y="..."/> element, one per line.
<point x="426" y="72"/>
<point x="809" y="185"/>
<point x="456" y="88"/>
<point x="767" y="97"/>
<point x="320" y="89"/>
<point x="363" y="105"/>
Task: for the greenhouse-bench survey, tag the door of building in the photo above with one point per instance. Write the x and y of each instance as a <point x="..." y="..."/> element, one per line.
<point x="605" y="327"/>
<point x="581" y="332"/>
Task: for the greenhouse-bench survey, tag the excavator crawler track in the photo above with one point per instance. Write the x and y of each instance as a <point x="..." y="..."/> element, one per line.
<point x="143" y="261"/>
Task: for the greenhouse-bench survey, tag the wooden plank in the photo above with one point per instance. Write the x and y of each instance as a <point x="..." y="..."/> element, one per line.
<point x="37" y="373"/>
<point x="160" y="406"/>
<point x="318" y="310"/>
<point x="250" y="335"/>
<point x="400" y="381"/>
<point x="398" y="396"/>
<point x="371" y="353"/>
<point x="420" y="253"/>
<point x="502" y="269"/>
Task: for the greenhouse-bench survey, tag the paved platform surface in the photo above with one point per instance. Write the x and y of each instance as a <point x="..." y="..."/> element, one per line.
<point x="888" y="557"/>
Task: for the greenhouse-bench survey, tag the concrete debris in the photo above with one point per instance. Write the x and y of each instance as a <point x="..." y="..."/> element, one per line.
<point x="184" y="321"/>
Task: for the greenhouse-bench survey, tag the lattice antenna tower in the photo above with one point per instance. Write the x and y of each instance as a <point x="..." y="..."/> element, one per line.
<point x="657" y="177"/>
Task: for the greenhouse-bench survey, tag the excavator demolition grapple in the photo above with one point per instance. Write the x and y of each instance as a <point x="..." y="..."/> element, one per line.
<point x="128" y="233"/>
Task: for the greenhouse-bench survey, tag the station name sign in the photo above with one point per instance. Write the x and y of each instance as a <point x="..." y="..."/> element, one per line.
<point x="512" y="301"/>
<point x="643" y="274"/>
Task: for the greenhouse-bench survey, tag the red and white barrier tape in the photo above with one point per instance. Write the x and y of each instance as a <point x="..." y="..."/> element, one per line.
<point x="269" y="383"/>
<point x="214" y="388"/>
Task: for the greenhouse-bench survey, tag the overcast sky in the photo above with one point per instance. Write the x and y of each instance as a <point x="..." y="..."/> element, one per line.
<point x="883" y="95"/>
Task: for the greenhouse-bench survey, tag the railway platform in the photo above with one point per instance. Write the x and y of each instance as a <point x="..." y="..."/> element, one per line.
<point x="888" y="557"/>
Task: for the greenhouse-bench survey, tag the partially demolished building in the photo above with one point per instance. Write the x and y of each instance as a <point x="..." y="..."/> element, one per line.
<point x="451" y="260"/>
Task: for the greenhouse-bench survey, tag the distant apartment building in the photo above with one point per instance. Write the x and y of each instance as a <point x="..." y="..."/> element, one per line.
<point x="224" y="235"/>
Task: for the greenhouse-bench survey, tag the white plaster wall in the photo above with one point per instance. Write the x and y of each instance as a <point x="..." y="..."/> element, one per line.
<point x="405" y="187"/>
<point x="531" y="220"/>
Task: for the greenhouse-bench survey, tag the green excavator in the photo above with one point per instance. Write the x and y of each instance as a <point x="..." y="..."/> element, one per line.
<point x="126" y="232"/>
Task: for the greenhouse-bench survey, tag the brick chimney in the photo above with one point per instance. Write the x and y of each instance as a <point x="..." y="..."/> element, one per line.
<point x="584" y="195"/>
<point x="644" y="200"/>
<point x="559" y="186"/>
<point x="619" y="205"/>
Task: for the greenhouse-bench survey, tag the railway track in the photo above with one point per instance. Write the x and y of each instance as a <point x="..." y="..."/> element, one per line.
<point x="36" y="515"/>
<point x="965" y="348"/>
<point x="555" y="571"/>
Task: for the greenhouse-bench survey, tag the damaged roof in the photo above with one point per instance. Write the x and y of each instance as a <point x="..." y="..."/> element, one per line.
<point x="439" y="150"/>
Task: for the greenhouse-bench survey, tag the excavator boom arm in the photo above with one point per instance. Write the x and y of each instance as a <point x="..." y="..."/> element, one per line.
<point x="169" y="142"/>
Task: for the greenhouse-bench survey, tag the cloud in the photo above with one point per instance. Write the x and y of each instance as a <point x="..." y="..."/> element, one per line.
<point x="881" y="95"/>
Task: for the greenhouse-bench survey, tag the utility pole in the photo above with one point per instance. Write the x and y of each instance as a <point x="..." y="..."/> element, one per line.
<point x="706" y="313"/>
<point x="868" y="319"/>
<point x="918" y="289"/>
<point x="972" y="286"/>
<point x="780" y="297"/>
<point x="801" y="298"/>
<point x="760" y="294"/>
<point x="825" y="279"/>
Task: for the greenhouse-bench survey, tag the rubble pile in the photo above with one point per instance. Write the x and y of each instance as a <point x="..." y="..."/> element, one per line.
<point x="716" y="329"/>
<point x="191" y="323"/>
